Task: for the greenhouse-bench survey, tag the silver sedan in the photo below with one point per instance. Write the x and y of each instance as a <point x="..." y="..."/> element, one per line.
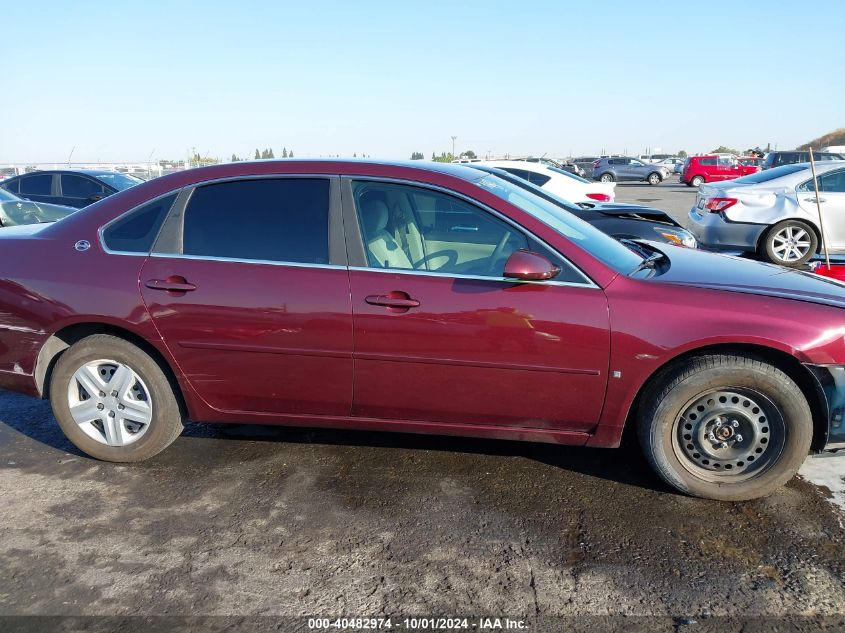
<point x="774" y="213"/>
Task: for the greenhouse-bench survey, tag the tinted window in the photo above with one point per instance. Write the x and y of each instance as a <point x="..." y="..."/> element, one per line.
<point x="12" y="186"/>
<point x="282" y="220"/>
<point x="617" y="161"/>
<point x="412" y="228"/>
<point x="80" y="187"/>
<point x="538" y="179"/>
<point x="831" y="182"/>
<point x="40" y="185"/>
<point x="519" y="173"/>
<point x="136" y="232"/>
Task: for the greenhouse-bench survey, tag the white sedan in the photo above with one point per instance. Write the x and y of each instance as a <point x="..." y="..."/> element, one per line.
<point x="557" y="181"/>
<point x="774" y="212"/>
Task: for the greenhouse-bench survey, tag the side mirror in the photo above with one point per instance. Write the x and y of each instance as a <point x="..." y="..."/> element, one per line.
<point x="528" y="266"/>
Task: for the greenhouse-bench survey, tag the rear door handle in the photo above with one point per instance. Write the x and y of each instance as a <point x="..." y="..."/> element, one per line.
<point x="171" y="284"/>
<point x="814" y="200"/>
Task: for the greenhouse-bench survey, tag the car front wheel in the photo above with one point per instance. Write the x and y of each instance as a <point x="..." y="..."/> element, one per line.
<point x="725" y="427"/>
<point x="789" y="243"/>
<point x="113" y="401"/>
<point x="654" y="178"/>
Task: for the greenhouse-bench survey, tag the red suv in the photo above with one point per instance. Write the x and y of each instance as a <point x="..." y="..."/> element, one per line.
<point x="427" y="298"/>
<point x="712" y="168"/>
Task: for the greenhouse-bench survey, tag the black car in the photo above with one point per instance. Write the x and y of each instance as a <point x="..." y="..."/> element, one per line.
<point x="71" y="188"/>
<point x="617" y="219"/>
<point x="776" y="159"/>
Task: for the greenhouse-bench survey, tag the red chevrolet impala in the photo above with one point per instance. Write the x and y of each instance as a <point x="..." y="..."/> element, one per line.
<point x="415" y="297"/>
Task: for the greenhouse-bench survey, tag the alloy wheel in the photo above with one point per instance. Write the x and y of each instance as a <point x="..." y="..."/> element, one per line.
<point x="110" y="402"/>
<point x="791" y="243"/>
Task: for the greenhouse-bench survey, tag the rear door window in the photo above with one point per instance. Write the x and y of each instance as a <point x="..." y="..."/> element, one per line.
<point x="263" y="219"/>
<point x="37" y="185"/>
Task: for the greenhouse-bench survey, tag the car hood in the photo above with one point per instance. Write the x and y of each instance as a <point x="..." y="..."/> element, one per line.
<point x="623" y="209"/>
<point x="701" y="269"/>
<point x="18" y="212"/>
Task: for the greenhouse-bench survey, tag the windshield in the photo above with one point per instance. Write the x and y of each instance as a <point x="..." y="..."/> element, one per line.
<point x="600" y="245"/>
<point x="558" y="170"/>
<point x="769" y="174"/>
<point x="119" y="181"/>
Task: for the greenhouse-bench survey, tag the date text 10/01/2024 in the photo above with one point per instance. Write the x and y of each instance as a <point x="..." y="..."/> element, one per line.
<point x="417" y="624"/>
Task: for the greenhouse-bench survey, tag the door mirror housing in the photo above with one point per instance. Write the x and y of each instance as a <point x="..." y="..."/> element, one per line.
<point x="529" y="266"/>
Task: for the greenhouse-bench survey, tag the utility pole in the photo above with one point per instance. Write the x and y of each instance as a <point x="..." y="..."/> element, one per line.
<point x="69" y="156"/>
<point x="453" y="147"/>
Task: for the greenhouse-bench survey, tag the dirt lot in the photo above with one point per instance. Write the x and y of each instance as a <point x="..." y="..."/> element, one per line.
<point x="266" y="520"/>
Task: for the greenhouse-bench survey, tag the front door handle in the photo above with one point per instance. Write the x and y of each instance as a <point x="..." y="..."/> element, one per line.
<point x="395" y="301"/>
<point x="814" y="200"/>
<point x="174" y="284"/>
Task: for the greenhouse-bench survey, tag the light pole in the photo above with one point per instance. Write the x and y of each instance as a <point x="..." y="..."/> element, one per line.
<point x="453" y="147"/>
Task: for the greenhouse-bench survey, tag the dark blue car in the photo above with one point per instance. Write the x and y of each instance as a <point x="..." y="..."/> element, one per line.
<point x="72" y="188"/>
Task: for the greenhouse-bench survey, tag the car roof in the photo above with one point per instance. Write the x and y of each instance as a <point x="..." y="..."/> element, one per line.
<point x="87" y="172"/>
<point x="518" y="164"/>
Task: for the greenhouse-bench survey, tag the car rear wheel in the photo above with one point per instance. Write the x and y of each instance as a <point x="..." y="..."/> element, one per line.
<point x="725" y="427"/>
<point x="607" y="177"/>
<point x="696" y="181"/>
<point x="654" y="178"/>
<point x="789" y="243"/>
<point x="113" y="401"/>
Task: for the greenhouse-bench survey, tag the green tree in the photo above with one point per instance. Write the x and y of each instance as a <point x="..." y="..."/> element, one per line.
<point x="257" y="154"/>
<point x="417" y="156"/>
<point x="284" y="152"/>
<point x="443" y="158"/>
<point x="290" y="154"/>
<point x="235" y="158"/>
<point x="682" y="154"/>
<point x="724" y="150"/>
<point x="469" y="154"/>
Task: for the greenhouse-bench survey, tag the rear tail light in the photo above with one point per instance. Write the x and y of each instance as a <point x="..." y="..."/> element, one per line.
<point x="717" y="205"/>
<point x="601" y="197"/>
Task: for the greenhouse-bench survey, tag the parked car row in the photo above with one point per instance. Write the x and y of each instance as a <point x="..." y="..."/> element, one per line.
<point x="774" y="213"/>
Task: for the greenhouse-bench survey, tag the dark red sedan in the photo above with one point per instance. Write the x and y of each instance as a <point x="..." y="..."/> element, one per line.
<point x="415" y="297"/>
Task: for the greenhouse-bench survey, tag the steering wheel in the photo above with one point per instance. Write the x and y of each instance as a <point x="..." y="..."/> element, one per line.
<point x="450" y="255"/>
<point x="498" y="251"/>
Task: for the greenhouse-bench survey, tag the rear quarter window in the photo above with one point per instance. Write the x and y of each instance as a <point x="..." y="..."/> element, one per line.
<point x="136" y="231"/>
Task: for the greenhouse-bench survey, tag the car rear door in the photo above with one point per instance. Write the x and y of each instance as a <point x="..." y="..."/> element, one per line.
<point x="831" y="200"/>
<point x="249" y="289"/>
<point x="37" y="187"/>
<point x="445" y="338"/>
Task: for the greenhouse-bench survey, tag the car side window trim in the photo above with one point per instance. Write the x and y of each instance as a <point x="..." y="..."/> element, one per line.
<point x="358" y="257"/>
<point x="170" y="241"/>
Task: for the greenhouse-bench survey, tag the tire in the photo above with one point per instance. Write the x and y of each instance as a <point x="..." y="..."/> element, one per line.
<point x="777" y="248"/>
<point x="696" y="181"/>
<point x="654" y="178"/>
<point x="143" y="418"/>
<point x="683" y="408"/>
<point x="607" y="177"/>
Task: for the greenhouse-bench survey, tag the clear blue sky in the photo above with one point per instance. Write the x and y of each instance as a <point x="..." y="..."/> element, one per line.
<point x="119" y="80"/>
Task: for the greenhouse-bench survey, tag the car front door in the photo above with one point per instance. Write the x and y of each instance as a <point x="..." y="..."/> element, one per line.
<point x="441" y="336"/>
<point x="248" y="287"/>
<point x="76" y="190"/>
<point x="831" y="200"/>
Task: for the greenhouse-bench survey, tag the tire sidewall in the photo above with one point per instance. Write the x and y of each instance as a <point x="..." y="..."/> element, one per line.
<point x="166" y="411"/>
<point x="696" y="181"/>
<point x="779" y="389"/>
